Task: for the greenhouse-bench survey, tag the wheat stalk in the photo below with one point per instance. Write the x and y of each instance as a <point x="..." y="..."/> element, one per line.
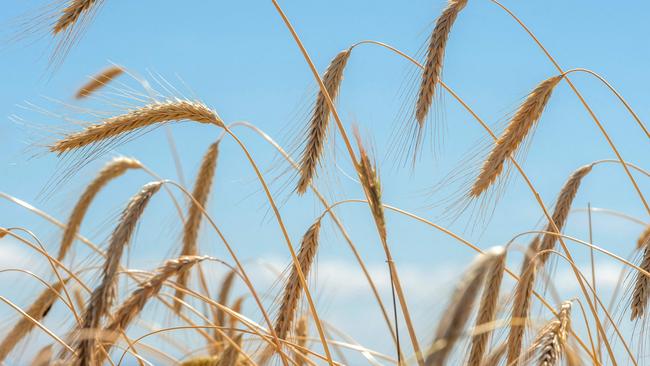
<point x="132" y="306"/>
<point x="319" y="122"/>
<point x="110" y="171"/>
<point x="38" y="310"/>
<point x="518" y="129"/>
<point x="202" y="188"/>
<point x="158" y="112"/>
<point x="72" y="12"/>
<point x="487" y="308"/>
<point x="103" y="296"/>
<point x="435" y="56"/>
<point x="460" y="307"/>
<point x="98" y="81"/>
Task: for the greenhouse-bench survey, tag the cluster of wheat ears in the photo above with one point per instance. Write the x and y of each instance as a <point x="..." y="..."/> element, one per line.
<point x="482" y="324"/>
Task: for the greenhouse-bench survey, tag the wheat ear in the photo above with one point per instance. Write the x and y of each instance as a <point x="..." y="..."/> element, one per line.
<point x="202" y="188"/>
<point x="319" y="122"/>
<point x="201" y="361"/>
<point x="518" y="129"/>
<point x="644" y="238"/>
<point x="155" y="113"/>
<point x="552" y="339"/>
<point x="230" y="356"/>
<point x="488" y="308"/>
<point x="220" y="314"/>
<point x="38" y="310"/>
<point x="103" y="296"/>
<point x="641" y="290"/>
<point x="98" y="81"/>
<point x="233" y="320"/>
<point x="561" y="211"/>
<point x="435" y="56"/>
<point x="110" y="171"/>
<point x="522" y="302"/>
<point x="301" y="341"/>
<point x="372" y="185"/>
<point x="460" y="307"/>
<point x="72" y="12"/>
<point x="133" y="305"/>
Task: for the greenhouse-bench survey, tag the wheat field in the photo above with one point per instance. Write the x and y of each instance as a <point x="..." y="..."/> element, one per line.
<point x="176" y="230"/>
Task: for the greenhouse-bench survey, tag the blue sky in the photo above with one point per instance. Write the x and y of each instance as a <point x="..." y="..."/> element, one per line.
<point x="239" y="59"/>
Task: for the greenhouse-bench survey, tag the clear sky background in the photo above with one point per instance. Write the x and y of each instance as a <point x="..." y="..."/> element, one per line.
<point x="239" y="58"/>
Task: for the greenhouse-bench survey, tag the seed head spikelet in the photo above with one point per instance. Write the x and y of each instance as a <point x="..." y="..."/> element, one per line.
<point x="72" y="13"/>
<point x="641" y="290"/>
<point x="98" y="81"/>
<point x="110" y="171"/>
<point x="518" y="129"/>
<point x="372" y="185"/>
<point x="202" y="188"/>
<point x="149" y="115"/>
<point x="435" y="57"/>
<point x="551" y="341"/>
<point x="319" y="122"/>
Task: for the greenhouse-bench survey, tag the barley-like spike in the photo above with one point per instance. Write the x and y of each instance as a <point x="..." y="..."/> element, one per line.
<point x="202" y="188"/>
<point x="487" y="308"/>
<point x="641" y="290"/>
<point x="237" y="308"/>
<point x="319" y="122"/>
<point x="38" y="310"/>
<point x="301" y="341"/>
<point x="551" y="341"/>
<point x="518" y="129"/>
<point x="460" y="307"/>
<point x="201" y="361"/>
<point x="72" y="13"/>
<point x="98" y="81"/>
<point x="435" y="57"/>
<point x="372" y="185"/>
<point x="110" y="171"/>
<point x="103" y="296"/>
<point x="220" y="315"/>
<point x="151" y="114"/>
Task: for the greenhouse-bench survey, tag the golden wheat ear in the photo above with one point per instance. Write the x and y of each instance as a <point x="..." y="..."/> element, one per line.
<point x="641" y="290"/>
<point x="372" y="185"/>
<point x="201" y="192"/>
<point x="457" y="313"/>
<point x="551" y="341"/>
<point x="73" y="13"/>
<point x="518" y="129"/>
<point x="98" y="81"/>
<point x="435" y="57"/>
<point x="220" y="314"/>
<point x="319" y="122"/>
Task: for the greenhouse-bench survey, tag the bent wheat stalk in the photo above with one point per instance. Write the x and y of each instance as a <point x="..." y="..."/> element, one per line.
<point x="202" y="188"/>
<point x="319" y="122"/>
<point x="435" y="57"/>
<point x="518" y="129"/>
<point x="98" y="81"/>
<point x="149" y="115"/>
<point x="110" y="171"/>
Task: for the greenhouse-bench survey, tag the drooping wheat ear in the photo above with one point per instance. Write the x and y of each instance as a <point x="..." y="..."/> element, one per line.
<point x="561" y="211"/>
<point x="301" y="341"/>
<point x="552" y="339"/>
<point x="151" y="114"/>
<point x="641" y="287"/>
<point x="644" y="238"/>
<point x="435" y="56"/>
<point x="522" y="302"/>
<point x="230" y="356"/>
<point x="103" y="296"/>
<point x="319" y="122"/>
<point x="220" y="314"/>
<point x="488" y="308"/>
<point x="494" y="357"/>
<point x="43" y="357"/>
<point x="38" y="310"/>
<point x="98" y="81"/>
<point x="110" y="171"/>
<point x="293" y="289"/>
<point x="132" y="306"/>
<point x="460" y="307"/>
<point x="72" y="12"/>
<point x="518" y="129"/>
<point x="202" y="188"/>
<point x="371" y="184"/>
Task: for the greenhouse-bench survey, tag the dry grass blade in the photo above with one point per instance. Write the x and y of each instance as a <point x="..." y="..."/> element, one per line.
<point x="202" y="188"/>
<point x="552" y="340"/>
<point x="72" y="13"/>
<point x="641" y="290"/>
<point x="38" y="310"/>
<point x="301" y="341"/>
<point x="518" y="129"/>
<point x="98" y="81"/>
<point x="319" y="122"/>
<point x="522" y="302"/>
<point x="435" y="56"/>
<point x="149" y="115"/>
<point x="110" y="171"/>
<point x="562" y="209"/>
<point x="460" y="307"/>
<point x="132" y="306"/>
<point x="488" y="308"/>
<point x="644" y="238"/>
<point x="103" y="296"/>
